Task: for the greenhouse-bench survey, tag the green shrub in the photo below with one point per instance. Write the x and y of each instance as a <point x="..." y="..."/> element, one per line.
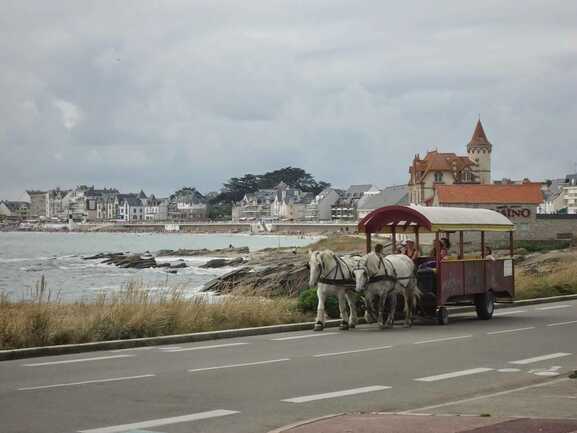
<point x="308" y="302"/>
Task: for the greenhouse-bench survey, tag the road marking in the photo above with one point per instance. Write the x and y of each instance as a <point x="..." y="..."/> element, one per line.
<point x="484" y="396"/>
<point x="162" y="421"/>
<point x="214" y="346"/>
<point x="70" y="361"/>
<point x="133" y="348"/>
<point x="113" y="379"/>
<point x="368" y="349"/>
<point x="554" y="307"/>
<point x="324" y="334"/>
<point x="571" y="322"/>
<point x="506" y="331"/>
<point x="509" y="370"/>
<point x="437" y="340"/>
<point x="336" y="394"/>
<point x="454" y="374"/>
<point x="247" y="364"/>
<point x="506" y="313"/>
<point x="540" y="358"/>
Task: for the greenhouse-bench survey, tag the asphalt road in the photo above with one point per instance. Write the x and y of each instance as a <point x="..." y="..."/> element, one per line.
<point x="256" y="384"/>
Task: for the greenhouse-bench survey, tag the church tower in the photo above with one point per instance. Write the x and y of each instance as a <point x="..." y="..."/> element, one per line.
<point x="479" y="150"/>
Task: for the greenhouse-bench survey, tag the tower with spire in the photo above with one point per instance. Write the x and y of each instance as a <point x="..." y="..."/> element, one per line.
<point x="479" y="150"/>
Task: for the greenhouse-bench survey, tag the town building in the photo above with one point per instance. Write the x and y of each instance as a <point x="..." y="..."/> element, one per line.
<point x="155" y="209"/>
<point x="395" y="195"/>
<point x="560" y="196"/>
<point x="187" y="204"/>
<point x="345" y="208"/>
<point x="518" y="202"/>
<point x="438" y="168"/>
<point x="14" y="210"/>
<point x="319" y="208"/>
<point x="130" y="208"/>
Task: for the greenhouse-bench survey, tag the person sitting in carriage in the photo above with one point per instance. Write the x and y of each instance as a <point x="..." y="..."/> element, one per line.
<point x="432" y="264"/>
<point x="408" y="248"/>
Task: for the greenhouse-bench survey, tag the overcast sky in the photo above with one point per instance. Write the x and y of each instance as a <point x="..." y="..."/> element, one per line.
<point x="163" y="94"/>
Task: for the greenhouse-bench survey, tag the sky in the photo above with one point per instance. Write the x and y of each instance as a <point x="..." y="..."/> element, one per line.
<point x="163" y="94"/>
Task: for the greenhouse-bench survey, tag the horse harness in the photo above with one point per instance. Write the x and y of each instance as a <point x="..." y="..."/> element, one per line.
<point x="347" y="279"/>
<point x="386" y="276"/>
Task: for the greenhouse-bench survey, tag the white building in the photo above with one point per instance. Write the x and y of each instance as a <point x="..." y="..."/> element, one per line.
<point x="389" y="196"/>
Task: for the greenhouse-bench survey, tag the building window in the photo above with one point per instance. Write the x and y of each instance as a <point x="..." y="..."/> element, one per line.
<point x="438" y="176"/>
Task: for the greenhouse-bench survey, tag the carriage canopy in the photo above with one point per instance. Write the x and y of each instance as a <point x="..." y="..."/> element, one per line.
<point x="427" y="219"/>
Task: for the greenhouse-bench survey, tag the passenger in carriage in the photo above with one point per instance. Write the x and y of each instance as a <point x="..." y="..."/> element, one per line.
<point x="410" y="250"/>
<point x="379" y="249"/>
<point x="489" y="254"/>
<point x="432" y="264"/>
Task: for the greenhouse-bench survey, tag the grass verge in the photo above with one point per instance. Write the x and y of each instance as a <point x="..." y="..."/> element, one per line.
<point x="134" y="313"/>
<point x="563" y="281"/>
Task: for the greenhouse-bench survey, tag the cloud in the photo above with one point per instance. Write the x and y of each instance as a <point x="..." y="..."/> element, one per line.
<point x="162" y="95"/>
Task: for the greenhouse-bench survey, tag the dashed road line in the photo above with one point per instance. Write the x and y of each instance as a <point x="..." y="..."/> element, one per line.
<point x="71" y="361"/>
<point x="60" y="385"/>
<point x="247" y="364"/>
<point x="507" y="313"/>
<point x="454" y="374"/>
<point x="213" y="346"/>
<point x="554" y="307"/>
<point x="508" y="331"/>
<point x="296" y="337"/>
<point x="540" y="358"/>
<point x="343" y="393"/>
<point x="571" y="322"/>
<point x="162" y="421"/>
<point x="438" y="340"/>
<point x="483" y="396"/>
<point x="368" y="349"/>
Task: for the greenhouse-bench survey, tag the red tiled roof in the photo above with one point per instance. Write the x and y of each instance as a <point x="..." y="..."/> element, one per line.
<point x="479" y="137"/>
<point x="435" y="161"/>
<point x="528" y="193"/>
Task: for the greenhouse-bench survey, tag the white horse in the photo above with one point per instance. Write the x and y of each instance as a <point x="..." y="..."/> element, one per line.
<point x="383" y="278"/>
<point x="332" y="274"/>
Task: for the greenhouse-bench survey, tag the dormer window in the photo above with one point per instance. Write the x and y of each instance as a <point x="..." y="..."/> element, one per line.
<point x="438" y="176"/>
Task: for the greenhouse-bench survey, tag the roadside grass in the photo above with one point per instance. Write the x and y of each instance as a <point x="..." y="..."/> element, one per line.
<point x="134" y="313"/>
<point x="561" y="280"/>
<point x="340" y="243"/>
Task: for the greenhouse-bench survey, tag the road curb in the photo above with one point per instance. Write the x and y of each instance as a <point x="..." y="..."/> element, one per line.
<point x="31" y="352"/>
<point x="305" y="422"/>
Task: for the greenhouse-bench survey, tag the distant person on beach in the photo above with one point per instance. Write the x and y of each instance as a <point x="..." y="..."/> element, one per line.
<point x="230" y="246"/>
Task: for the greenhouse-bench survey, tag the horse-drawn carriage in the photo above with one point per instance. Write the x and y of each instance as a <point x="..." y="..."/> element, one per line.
<point x="453" y="280"/>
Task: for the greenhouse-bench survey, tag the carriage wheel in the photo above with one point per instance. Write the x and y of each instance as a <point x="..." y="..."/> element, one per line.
<point x="443" y="316"/>
<point x="485" y="305"/>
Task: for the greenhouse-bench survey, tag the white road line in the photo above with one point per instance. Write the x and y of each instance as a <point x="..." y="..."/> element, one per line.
<point x="506" y="313"/>
<point x="214" y="346"/>
<point x="571" y="322"/>
<point x="482" y="397"/>
<point x="112" y="379"/>
<point x="437" y="340"/>
<point x="161" y="421"/>
<point x="368" y="349"/>
<point x="70" y="361"/>
<point x="247" y="364"/>
<point x="133" y="348"/>
<point x="336" y="394"/>
<point x="554" y="307"/>
<point x="454" y="374"/>
<point x="323" y="334"/>
<point x="540" y="358"/>
<point x="506" y="331"/>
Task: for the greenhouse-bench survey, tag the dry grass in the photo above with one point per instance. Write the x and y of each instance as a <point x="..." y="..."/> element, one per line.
<point x="133" y="313"/>
<point x="556" y="278"/>
<point x="341" y="243"/>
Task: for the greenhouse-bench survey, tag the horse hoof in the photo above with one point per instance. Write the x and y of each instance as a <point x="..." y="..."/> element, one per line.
<point x="344" y="326"/>
<point x="382" y="326"/>
<point x="318" y="327"/>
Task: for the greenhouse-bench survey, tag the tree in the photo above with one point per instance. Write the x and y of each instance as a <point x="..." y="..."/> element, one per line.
<point x="236" y="188"/>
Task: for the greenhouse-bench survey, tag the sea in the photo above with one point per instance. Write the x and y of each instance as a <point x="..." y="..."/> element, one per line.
<point x="25" y="257"/>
